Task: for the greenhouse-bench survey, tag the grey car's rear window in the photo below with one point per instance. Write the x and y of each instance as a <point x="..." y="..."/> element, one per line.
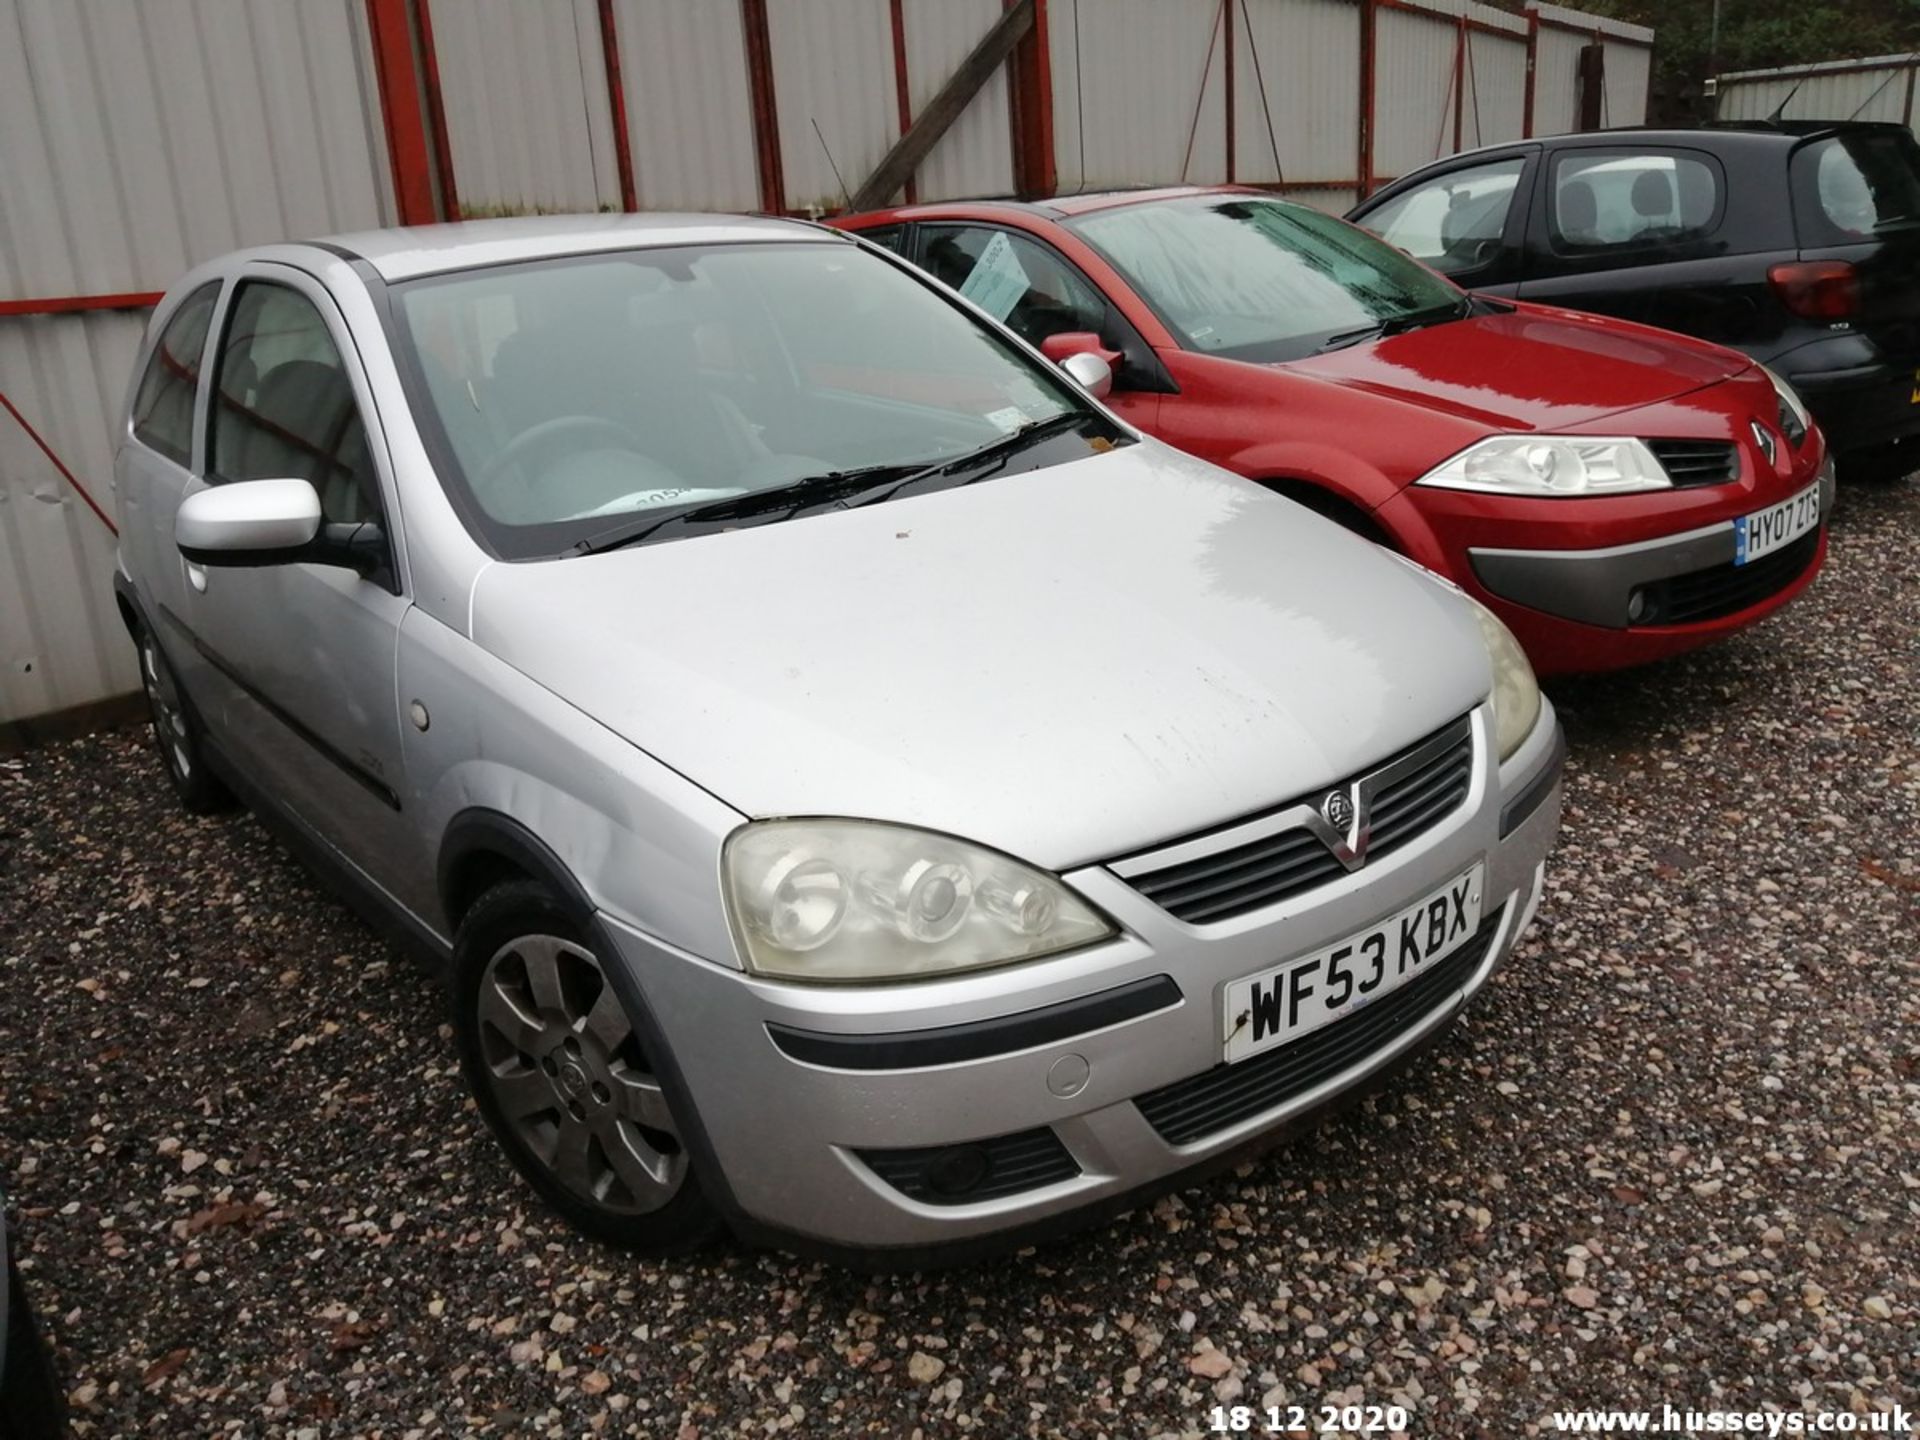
<point x="1855" y="185"/>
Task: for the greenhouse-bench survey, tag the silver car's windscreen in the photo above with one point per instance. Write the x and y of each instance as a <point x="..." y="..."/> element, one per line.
<point x="1264" y="280"/>
<point x="567" y="398"/>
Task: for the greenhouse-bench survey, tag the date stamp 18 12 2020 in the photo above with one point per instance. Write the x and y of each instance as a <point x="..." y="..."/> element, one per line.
<point x="1304" y="1420"/>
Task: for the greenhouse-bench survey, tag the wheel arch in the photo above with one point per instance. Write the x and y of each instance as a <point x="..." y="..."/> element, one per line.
<point x="126" y="599"/>
<point x="481" y="848"/>
<point x="1333" y="502"/>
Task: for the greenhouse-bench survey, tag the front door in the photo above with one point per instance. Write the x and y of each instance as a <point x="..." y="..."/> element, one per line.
<point x="303" y="656"/>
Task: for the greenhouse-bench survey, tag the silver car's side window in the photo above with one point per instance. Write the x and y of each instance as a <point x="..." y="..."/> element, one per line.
<point x="283" y="404"/>
<point x="163" y="406"/>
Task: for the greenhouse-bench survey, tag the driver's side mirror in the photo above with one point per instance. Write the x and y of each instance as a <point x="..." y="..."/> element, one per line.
<point x="270" y="522"/>
<point x="1081" y="355"/>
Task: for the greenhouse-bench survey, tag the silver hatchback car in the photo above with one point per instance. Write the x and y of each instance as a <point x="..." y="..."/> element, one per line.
<point x="866" y="792"/>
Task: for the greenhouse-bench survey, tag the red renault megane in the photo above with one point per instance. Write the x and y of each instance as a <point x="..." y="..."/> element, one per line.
<point x="1616" y="493"/>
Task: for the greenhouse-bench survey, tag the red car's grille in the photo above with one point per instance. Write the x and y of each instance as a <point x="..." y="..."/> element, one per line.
<point x="1697" y="462"/>
<point x="1724" y="590"/>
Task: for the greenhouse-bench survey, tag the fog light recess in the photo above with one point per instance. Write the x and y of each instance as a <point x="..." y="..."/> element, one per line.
<point x="975" y="1170"/>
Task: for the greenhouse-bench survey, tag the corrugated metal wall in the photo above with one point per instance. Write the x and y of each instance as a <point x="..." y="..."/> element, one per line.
<point x="1304" y="56"/>
<point x="833" y="74"/>
<point x="1127" y="84"/>
<point x="528" y="120"/>
<point x="1128" y="77"/>
<point x="1562" y="35"/>
<point x="1496" y="108"/>
<point x="975" y="157"/>
<point x="1880" y="87"/>
<point x="689" y="114"/>
<point x="1434" y="79"/>
<point x="150" y="136"/>
<point x="127" y="154"/>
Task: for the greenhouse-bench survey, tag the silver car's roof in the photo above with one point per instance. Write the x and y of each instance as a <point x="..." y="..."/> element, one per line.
<point x="401" y="254"/>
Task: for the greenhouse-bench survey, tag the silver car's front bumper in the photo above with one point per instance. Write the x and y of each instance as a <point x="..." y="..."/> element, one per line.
<point x="788" y="1133"/>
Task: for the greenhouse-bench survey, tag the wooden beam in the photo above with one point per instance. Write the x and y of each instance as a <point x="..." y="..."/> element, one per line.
<point x="904" y="158"/>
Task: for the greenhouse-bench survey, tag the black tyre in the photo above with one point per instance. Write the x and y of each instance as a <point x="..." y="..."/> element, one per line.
<point x="176" y="731"/>
<point x="32" y="1405"/>
<point x="558" y="1069"/>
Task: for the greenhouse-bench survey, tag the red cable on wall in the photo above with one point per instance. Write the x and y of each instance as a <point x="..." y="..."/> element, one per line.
<point x="66" y="474"/>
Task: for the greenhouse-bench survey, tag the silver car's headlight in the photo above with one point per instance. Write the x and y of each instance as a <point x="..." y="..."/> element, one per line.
<point x="858" y="900"/>
<point x="1516" y="694"/>
<point x="1795" y="419"/>
<point x="1552" y="466"/>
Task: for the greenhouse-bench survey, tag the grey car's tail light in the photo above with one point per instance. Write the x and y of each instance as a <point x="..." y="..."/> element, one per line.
<point x="1697" y="462"/>
<point x="1260" y="872"/>
<point x="1204" y="1104"/>
<point x="977" y="1170"/>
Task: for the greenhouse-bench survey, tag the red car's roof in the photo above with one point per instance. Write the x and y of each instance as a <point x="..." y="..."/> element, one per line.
<point x="1054" y="207"/>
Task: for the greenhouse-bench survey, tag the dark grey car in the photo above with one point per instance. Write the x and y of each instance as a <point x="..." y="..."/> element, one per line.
<point x="1797" y="242"/>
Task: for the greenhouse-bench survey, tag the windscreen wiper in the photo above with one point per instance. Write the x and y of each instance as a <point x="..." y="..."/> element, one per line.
<point x="991" y="456"/>
<point x="794" y="495"/>
<point x="1400" y="324"/>
<point x="849" y="487"/>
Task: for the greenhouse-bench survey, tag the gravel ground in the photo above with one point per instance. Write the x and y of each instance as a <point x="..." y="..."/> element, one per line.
<point x="1673" y="1155"/>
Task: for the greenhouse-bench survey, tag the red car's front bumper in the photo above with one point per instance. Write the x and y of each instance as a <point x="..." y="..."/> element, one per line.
<point x="1601" y="584"/>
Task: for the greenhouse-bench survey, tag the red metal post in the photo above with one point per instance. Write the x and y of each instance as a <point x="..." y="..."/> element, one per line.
<point x="58" y="464"/>
<point x="400" y="109"/>
<point x="1364" y="172"/>
<point x="766" y="119"/>
<point x="1226" y="7"/>
<point x="1031" y="98"/>
<point x="1459" y="82"/>
<point x="902" y="90"/>
<point x="67" y="304"/>
<point x="617" y="104"/>
<point x="1533" y="58"/>
<point x="437" y="112"/>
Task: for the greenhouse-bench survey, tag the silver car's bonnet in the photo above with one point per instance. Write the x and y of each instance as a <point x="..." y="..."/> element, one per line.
<point x="1068" y="664"/>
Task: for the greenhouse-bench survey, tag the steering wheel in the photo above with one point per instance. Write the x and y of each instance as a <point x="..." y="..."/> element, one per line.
<point x="548" y="431"/>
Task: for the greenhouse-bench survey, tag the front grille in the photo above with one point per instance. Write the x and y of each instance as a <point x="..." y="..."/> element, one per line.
<point x="975" y="1170"/>
<point x="1191" y="1109"/>
<point x="1727" y="589"/>
<point x="1260" y="872"/>
<point x="1697" y="462"/>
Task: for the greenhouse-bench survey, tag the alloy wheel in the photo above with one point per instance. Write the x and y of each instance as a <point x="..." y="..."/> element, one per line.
<point x="169" y="714"/>
<point x="569" y="1078"/>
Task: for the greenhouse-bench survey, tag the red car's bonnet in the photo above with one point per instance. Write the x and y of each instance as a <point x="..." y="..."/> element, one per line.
<point x="1531" y="369"/>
